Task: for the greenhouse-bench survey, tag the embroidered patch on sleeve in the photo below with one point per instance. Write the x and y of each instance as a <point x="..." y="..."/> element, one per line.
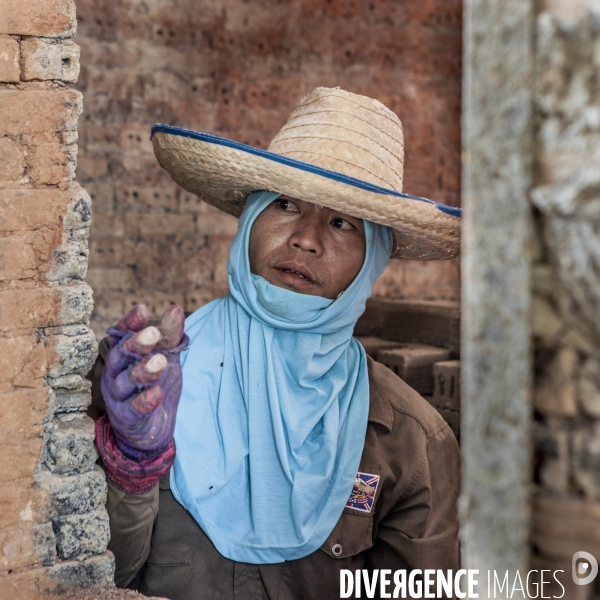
<point x="363" y="492"/>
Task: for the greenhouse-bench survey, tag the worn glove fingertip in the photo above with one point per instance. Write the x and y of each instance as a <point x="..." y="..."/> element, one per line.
<point x="143" y="342"/>
<point x="149" y="369"/>
<point x="171" y="327"/>
<point x="135" y="320"/>
<point x="145" y="402"/>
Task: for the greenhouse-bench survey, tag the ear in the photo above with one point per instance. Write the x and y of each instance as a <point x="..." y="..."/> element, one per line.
<point x="394" y="245"/>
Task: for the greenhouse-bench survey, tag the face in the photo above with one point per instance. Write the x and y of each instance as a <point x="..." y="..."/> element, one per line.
<point x="307" y="249"/>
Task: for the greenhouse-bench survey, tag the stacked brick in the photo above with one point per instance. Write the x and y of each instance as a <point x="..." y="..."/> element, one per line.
<point x="237" y="69"/>
<point x="420" y="342"/>
<point x="53" y="526"/>
<point x="566" y="289"/>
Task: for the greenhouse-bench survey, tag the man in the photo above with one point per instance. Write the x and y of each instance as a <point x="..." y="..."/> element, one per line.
<point x="296" y="455"/>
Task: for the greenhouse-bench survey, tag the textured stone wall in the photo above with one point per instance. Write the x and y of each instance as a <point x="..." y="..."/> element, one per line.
<point x="236" y="69"/>
<point x="557" y="106"/>
<point x="53" y="526"/>
<point x="496" y="378"/>
<point x="566" y="287"/>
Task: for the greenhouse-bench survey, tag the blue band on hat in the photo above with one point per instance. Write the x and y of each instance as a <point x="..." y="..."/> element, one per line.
<point x="359" y="183"/>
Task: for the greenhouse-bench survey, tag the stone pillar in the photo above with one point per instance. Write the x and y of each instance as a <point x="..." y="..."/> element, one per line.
<point x="497" y="148"/>
<point x="53" y="525"/>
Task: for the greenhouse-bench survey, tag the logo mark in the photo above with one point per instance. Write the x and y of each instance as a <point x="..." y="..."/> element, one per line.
<point x="585" y="568"/>
<point x="363" y="492"/>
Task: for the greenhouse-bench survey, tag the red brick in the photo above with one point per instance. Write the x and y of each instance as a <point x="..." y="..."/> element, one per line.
<point x="414" y="364"/>
<point x="195" y="299"/>
<point x="107" y="225"/>
<point x="109" y="306"/>
<point x="447" y="384"/>
<point x="22" y="413"/>
<point x="135" y="140"/>
<point x="239" y="74"/>
<point x="22" y="458"/>
<point x="26" y="584"/>
<point x="190" y="203"/>
<point x="373" y="345"/>
<point x="101" y="138"/>
<point x="50" y="18"/>
<point x="9" y="60"/>
<point x="17" y="259"/>
<point x="12" y="160"/>
<point x="34" y="111"/>
<point x="91" y="167"/>
<point x="142" y="199"/>
<point x="106" y="252"/>
<point x="22" y="363"/>
<point x="436" y="323"/>
<point x="28" y="308"/>
<point x="42" y="60"/>
<point x="22" y="502"/>
<point x="27" y="209"/>
<point x="99" y="325"/>
<point x="141" y="170"/>
<point x="47" y="161"/>
<point x="154" y="224"/>
<point x="215" y="222"/>
<point x="107" y="278"/>
<point x="157" y="302"/>
<point x="22" y="547"/>
<point x="158" y="268"/>
<point x="415" y="279"/>
<point x="103" y="197"/>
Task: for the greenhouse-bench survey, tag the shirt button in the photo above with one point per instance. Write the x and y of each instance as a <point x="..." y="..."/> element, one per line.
<point x="337" y="550"/>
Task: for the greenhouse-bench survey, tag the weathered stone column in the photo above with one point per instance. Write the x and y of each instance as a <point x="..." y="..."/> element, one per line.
<point x="497" y="150"/>
<point x="53" y="525"/>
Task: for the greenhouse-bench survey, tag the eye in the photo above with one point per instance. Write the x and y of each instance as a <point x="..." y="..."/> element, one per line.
<point x="340" y="223"/>
<point x="287" y="205"/>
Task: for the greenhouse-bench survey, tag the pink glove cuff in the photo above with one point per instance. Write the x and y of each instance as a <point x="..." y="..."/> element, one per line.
<point x="128" y="474"/>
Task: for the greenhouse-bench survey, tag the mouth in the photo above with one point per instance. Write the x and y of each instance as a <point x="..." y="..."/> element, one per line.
<point x="296" y="274"/>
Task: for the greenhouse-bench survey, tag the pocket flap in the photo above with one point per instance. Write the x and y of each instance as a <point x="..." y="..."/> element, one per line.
<point x="351" y="535"/>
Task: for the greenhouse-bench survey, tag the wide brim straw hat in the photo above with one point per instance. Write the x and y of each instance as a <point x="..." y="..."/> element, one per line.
<point x="337" y="149"/>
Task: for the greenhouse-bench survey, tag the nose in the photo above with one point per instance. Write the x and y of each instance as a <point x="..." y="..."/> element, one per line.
<point x="308" y="234"/>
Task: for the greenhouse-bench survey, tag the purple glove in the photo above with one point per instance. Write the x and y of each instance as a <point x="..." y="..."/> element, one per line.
<point x="141" y="382"/>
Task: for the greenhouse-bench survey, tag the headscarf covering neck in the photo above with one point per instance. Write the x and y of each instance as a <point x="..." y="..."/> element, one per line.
<point x="273" y="413"/>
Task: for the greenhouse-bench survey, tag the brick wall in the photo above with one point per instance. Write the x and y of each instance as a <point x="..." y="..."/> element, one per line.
<point x="566" y="289"/>
<point x="53" y="526"/>
<point x="237" y="69"/>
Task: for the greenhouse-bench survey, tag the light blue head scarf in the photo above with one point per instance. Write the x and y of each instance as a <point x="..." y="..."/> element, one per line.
<point x="272" y="420"/>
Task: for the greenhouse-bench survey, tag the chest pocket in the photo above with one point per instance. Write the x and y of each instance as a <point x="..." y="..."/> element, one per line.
<point x="352" y="535"/>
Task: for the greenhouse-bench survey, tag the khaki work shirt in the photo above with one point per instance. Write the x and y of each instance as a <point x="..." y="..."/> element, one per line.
<point x="161" y="551"/>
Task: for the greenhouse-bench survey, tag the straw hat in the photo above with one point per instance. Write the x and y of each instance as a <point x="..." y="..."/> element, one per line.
<point x="338" y="149"/>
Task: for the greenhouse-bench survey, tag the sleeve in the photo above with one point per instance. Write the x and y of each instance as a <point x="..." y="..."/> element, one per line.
<point x="131" y="519"/>
<point x="131" y="516"/>
<point x="97" y="408"/>
<point x="420" y="530"/>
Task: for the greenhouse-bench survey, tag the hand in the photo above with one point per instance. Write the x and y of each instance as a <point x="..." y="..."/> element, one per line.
<point x="141" y="382"/>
